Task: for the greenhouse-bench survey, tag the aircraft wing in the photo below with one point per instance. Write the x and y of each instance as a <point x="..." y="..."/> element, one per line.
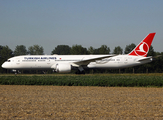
<point x="87" y="61"/>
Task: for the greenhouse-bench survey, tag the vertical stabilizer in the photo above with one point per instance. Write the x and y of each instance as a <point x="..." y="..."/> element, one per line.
<point x="143" y="47"/>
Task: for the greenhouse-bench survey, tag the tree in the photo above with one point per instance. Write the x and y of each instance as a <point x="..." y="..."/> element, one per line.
<point x="151" y="51"/>
<point x="61" y="50"/>
<point x="91" y="50"/>
<point x="118" y="50"/>
<point x="20" y="50"/>
<point x="78" y="50"/>
<point x="104" y="49"/>
<point x="158" y="63"/>
<point x="5" y="53"/>
<point x="129" y="48"/>
<point x="36" y="50"/>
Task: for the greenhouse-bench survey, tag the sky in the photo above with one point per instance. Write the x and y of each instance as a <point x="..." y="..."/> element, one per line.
<point x="49" y="23"/>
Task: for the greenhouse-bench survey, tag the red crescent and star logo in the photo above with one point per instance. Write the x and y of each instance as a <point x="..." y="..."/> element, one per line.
<point x="142" y="49"/>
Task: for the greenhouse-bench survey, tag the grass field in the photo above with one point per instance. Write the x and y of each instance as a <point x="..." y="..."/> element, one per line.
<point x="122" y="80"/>
<point x="97" y="74"/>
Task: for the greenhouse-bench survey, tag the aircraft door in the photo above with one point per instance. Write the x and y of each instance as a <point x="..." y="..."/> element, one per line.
<point x="18" y="62"/>
<point x="125" y="60"/>
<point x="48" y="61"/>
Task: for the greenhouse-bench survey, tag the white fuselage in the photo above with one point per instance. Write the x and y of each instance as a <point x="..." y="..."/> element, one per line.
<point x="50" y="61"/>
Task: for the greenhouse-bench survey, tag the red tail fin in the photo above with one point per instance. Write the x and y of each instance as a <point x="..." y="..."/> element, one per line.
<point x="143" y="47"/>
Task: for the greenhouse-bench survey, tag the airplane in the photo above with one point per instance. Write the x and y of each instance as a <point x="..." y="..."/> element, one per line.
<point x="67" y="63"/>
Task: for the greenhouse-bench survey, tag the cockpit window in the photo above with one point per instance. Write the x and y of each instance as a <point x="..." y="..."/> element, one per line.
<point x="8" y="60"/>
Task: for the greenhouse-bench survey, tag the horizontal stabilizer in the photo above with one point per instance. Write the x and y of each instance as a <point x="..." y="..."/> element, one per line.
<point x="149" y="58"/>
<point x="145" y="58"/>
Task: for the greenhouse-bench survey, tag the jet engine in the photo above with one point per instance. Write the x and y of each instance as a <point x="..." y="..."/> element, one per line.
<point x="63" y="68"/>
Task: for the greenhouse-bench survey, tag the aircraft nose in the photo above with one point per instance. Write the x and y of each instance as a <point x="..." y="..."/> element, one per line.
<point x="4" y="65"/>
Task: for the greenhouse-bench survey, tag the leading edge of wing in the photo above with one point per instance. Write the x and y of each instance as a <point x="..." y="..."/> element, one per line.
<point x="87" y="61"/>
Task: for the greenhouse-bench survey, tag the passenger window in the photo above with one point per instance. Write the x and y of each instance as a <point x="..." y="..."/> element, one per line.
<point x="8" y="60"/>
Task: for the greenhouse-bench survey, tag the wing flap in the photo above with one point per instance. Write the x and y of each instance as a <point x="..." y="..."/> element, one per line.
<point x="87" y="61"/>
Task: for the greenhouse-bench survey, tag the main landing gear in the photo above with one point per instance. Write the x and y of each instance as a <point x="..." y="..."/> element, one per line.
<point x="16" y="72"/>
<point x="80" y="72"/>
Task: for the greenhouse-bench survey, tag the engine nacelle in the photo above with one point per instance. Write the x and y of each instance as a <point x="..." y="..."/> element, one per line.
<point x="63" y="68"/>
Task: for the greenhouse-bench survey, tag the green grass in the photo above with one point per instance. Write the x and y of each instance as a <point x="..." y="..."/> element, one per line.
<point x="122" y="80"/>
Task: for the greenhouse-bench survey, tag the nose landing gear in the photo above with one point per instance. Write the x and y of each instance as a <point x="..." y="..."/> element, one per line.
<point x="16" y="72"/>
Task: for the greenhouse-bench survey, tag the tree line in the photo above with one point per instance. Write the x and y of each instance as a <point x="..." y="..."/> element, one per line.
<point x="155" y="67"/>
